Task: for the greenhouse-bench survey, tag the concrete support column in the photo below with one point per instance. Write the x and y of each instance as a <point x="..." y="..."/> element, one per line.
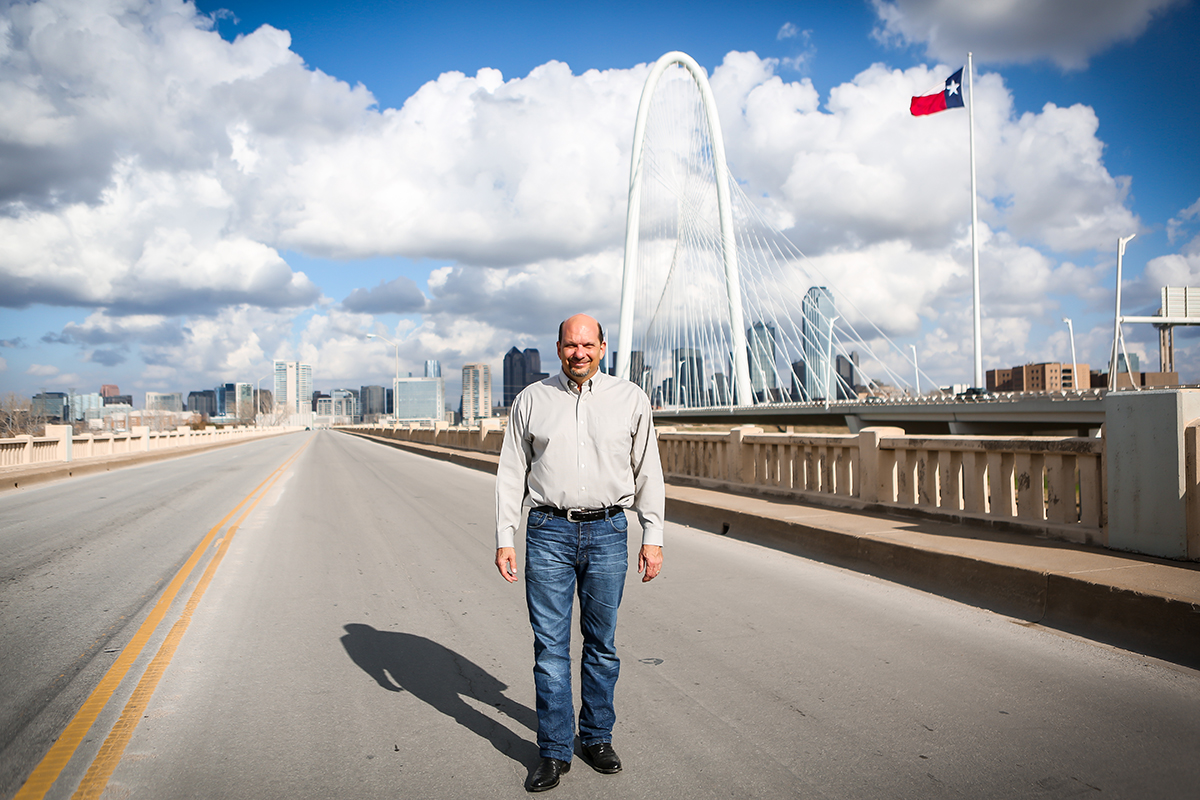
<point x="486" y="426"/>
<point x="1146" y="461"/>
<point x="63" y="433"/>
<point x="27" y="450"/>
<point x="869" y="463"/>
<point x="741" y="457"/>
<point x="142" y="434"/>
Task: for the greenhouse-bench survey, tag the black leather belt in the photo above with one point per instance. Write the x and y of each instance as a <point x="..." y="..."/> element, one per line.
<point x="581" y="514"/>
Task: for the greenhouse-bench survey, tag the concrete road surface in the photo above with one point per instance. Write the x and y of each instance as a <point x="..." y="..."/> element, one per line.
<point x="355" y="641"/>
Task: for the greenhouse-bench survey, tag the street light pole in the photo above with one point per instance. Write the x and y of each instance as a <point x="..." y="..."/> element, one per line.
<point x="916" y="370"/>
<point x="829" y="362"/>
<point x="393" y="344"/>
<point x="397" y="380"/>
<point x="258" y="410"/>
<point x="1074" y="364"/>
<point x="1112" y="363"/>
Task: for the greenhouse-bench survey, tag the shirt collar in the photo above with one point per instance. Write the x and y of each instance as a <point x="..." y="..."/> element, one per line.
<point x="568" y="384"/>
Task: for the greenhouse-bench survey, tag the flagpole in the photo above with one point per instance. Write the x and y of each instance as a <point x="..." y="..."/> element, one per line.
<point x="974" y="231"/>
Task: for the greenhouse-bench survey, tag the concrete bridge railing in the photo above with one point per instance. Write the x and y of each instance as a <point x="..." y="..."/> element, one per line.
<point x="1135" y="488"/>
<point x="1051" y="486"/>
<point x="61" y="444"/>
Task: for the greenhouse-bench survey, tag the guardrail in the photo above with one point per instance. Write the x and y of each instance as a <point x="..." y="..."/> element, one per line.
<point x="1049" y="485"/>
<point x="60" y="444"/>
<point x="484" y="439"/>
<point x="1136" y="488"/>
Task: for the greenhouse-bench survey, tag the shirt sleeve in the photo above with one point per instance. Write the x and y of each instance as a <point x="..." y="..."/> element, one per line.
<point x="515" y="455"/>
<point x="649" y="493"/>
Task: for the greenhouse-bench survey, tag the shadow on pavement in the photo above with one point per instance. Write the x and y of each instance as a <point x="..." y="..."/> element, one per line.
<point x="441" y="677"/>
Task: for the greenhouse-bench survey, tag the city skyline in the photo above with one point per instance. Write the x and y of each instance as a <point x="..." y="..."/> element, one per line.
<point x="195" y="241"/>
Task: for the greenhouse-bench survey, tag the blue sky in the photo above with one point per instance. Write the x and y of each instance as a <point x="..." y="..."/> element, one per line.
<point x="144" y="327"/>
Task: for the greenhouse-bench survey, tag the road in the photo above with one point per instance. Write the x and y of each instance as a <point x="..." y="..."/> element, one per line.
<point x="355" y="640"/>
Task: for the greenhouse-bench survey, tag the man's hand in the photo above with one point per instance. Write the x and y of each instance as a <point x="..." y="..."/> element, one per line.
<point x="506" y="562"/>
<point x="650" y="561"/>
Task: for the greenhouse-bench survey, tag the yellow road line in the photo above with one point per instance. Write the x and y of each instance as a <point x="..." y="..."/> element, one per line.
<point x="101" y="769"/>
<point x="52" y="764"/>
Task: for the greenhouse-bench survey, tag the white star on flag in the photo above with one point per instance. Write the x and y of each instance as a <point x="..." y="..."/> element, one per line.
<point x="952" y="88"/>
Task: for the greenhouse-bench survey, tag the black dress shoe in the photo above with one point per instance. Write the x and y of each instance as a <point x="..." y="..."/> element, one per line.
<point x="602" y="757"/>
<point x="547" y="774"/>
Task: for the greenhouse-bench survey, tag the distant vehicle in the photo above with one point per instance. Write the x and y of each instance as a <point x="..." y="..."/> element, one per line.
<point x="873" y="399"/>
<point x="976" y="393"/>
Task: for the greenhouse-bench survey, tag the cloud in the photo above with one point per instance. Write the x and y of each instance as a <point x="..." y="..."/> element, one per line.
<point x="155" y="173"/>
<point x="42" y="370"/>
<point x="788" y="31"/>
<point x="108" y="358"/>
<point x="17" y="342"/>
<point x="1067" y="32"/>
<point x="1176" y="224"/>
<point x="399" y="296"/>
<point x="3" y="365"/>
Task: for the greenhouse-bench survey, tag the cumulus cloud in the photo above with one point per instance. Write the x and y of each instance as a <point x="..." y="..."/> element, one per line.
<point x="108" y="358"/>
<point x="399" y="296"/>
<point x="153" y="173"/>
<point x="1067" y="32"/>
<point x="42" y="370"/>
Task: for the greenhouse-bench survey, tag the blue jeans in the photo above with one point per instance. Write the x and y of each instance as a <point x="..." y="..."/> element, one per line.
<point x="559" y="557"/>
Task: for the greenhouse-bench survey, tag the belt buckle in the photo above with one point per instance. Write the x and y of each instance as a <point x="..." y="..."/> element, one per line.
<point x="571" y="512"/>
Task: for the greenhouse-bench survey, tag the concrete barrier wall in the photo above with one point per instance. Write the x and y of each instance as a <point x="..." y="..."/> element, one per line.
<point x="60" y="444"/>
<point x="1048" y="485"/>
<point x="486" y="439"/>
<point x="1136" y="488"/>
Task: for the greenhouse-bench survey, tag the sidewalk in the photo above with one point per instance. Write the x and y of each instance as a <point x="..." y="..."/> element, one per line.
<point x="1139" y="603"/>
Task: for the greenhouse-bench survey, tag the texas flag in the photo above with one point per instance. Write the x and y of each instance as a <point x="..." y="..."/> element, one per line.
<point x="948" y="95"/>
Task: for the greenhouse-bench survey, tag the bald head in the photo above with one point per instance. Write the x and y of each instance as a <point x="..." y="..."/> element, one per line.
<point x="578" y="319"/>
<point x="580" y="347"/>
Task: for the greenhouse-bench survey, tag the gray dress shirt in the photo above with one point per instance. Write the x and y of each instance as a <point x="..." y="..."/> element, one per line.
<point x="572" y="448"/>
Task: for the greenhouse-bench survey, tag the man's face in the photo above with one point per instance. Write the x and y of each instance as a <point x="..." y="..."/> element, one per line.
<point x="580" y="349"/>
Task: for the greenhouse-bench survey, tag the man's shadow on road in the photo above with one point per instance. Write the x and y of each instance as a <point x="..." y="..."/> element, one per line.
<point x="441" y="677"/>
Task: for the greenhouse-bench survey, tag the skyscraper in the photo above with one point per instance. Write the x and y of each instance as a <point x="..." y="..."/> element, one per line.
<point x="819" y="311"/>
<point x="433" y="369"/>
<point x="520" y="370"/>
<point x="372" y="402"/>
<point x="293" y="387"/>
<point x="164" y="401"/>
<point x="760" y="344"/>
<point x="476" y="392"/>
<point x="418" y="399"/>
<point x="689" y="378"/>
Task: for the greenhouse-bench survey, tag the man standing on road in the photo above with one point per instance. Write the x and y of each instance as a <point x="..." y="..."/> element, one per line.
<point x="580" y="448"/>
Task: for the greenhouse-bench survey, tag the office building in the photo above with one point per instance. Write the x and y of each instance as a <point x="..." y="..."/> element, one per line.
<point x="521" y="368"/>
<point x="1046" y="377"/>
<point x="372" y="403"/>
<point x="760" y="347"/>
<point x="476" y="392"/>
<point x="688" y="386"/>
<point x="845" y="372"/>
<point x="818" y="312"/>
<point x="418" y="399"/>
<point x="433" y="368"/>
<point x="109" y="390"/>
<point x="293" y="387"/>
<point x="161" y="401"/>
<point x="203" y="402"/>
<point x="86" y="406"/>
<point x="49" y="406"/>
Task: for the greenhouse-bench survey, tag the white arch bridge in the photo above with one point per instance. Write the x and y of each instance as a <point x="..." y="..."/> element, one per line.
<point x="718" y="307"/>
